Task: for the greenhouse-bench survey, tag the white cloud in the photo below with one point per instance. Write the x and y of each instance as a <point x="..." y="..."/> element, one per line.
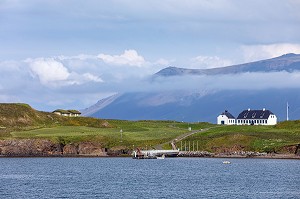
<point x="53" y="73"/>
<point x="204" y="62"/>
<point x="244" y="81"/>
<point x="259" y="52"/>
<point x="92" y="77"/>
<point x="129" y="57"/>
<point x="81" y="57"/>
<point x="48" y="70"/>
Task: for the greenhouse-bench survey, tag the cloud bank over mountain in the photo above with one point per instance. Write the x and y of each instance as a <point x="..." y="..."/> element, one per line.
<point x="81" y="80"/>
<point x="69" y="54"/>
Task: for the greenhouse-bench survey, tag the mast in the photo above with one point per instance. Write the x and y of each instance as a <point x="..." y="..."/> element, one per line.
<point x="287" y="111"/>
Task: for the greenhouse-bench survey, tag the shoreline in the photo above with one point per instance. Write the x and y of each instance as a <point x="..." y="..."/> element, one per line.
<point x="221" y="156"/>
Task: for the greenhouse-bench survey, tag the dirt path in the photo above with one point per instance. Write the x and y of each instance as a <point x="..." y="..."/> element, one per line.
<point x="181" y="137"/>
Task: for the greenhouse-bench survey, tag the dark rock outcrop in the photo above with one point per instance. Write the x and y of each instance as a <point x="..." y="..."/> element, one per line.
<point x="29" y="147"/>
<point x="43" y="147"/>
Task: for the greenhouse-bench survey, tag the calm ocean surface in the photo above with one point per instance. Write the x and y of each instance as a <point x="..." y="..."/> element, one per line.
<point x="129" y="178"/>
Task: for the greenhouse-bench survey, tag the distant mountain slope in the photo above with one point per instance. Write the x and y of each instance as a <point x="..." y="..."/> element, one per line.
<point x="99" y="105"/>
<point x="193" y="107"/>
<point x="288" y="62"/>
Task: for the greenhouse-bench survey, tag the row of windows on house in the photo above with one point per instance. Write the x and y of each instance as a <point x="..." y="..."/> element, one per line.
<point x="252" y="121"/>
<point x="230" y="121"/>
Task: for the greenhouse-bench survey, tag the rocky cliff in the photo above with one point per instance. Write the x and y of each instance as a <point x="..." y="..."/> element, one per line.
<point x="43" y="147"/>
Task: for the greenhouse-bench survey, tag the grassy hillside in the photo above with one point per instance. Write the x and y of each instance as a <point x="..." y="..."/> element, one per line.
<point x="20" y="121"/>
<point x="19" y="117"/>
<point x="248" y="138"/>
<point x="144" y="134"/>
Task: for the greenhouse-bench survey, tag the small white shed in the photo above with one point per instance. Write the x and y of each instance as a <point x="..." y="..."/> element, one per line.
<point x="226" y="118"/>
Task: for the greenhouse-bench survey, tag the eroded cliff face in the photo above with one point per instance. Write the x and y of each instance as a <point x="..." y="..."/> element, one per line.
<point x="44" y="147"/>
<point x="84" y="148"/>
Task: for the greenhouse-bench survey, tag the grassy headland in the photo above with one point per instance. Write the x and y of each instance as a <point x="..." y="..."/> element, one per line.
<point x="20" y="121"/>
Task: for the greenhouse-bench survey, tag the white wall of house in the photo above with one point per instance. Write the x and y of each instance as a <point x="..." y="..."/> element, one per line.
<point x="272" y="120"/>
<point x="223" y="119"/>
<point x="57" y="113"/>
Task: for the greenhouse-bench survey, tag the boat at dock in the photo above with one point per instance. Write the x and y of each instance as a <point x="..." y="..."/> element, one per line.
<point x="161" y="157"/>
<point x="154" y="154"/>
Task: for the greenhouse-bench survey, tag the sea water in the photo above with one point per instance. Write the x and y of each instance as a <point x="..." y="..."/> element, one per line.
<point x="130" y="178"/>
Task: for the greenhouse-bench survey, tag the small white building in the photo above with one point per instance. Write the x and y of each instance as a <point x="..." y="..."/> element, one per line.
<point x="256" y="117"/>
<point x="68" y="113"/>
<point x="226" y="118"/>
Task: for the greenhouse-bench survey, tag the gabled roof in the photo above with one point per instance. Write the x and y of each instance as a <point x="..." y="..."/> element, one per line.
<point x="228" y="114"/>
<point x="61" y="111"/>
<point x="74" y="111"/>
<point x="255" y="114"/>
<point x="67" y="111"/>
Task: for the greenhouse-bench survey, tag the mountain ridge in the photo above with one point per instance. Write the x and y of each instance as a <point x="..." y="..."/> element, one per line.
<point x="201" y="103"/>
<point x="288" y="62"/>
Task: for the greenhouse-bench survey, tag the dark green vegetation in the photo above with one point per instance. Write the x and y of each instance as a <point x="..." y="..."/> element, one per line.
<point x="19" y="121"/>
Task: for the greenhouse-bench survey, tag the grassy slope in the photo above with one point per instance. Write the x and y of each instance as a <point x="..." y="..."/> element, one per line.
<point x="144" y="134"/>
<point x="21" y="121"/>
<point x="251" y="138"/>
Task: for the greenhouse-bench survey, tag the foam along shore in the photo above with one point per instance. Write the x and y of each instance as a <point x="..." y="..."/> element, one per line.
<point x="240" y="154"/>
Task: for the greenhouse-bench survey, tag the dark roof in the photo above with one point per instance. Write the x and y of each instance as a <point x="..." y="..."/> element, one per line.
<point x="255" y="114"/>
<point x="74" y="111"/>
<point x="67" y="111"/>
<point x="61" y="111"/>
<point x="228" y="114"/>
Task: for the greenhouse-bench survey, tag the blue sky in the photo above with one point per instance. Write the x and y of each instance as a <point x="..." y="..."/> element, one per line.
<point x="71" y="53"/>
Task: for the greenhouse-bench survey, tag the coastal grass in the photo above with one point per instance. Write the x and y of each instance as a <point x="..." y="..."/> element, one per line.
<point x="247" y="138"/>
<point x="20" y="121"/>
<point x="127" y="134"/>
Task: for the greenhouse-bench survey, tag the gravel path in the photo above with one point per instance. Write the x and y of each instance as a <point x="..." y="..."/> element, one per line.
<point x="181" y="137"/>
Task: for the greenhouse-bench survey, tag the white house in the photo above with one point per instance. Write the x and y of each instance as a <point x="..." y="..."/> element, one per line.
<point x="68" y="113"/>
<point x="226" y="118"/>
<point x="256" y="117"/>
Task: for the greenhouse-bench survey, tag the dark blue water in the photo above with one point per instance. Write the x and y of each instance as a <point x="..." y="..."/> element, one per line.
<point x="168" y="178"/>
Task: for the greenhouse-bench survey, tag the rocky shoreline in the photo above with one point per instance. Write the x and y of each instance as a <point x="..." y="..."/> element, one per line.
<point x="48" y="148"/>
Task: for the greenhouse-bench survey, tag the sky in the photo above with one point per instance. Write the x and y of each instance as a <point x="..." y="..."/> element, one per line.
<point x="70" y="54"/>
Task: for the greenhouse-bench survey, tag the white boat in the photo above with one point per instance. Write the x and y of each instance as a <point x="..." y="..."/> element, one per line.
<point x="161" y="157"/>
<point x="226" y="162"/>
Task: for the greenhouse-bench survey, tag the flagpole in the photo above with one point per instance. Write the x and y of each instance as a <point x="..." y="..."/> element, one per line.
<point x="287" y="111"/>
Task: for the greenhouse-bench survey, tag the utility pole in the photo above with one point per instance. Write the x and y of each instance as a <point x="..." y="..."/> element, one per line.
<point x="287" y="111"/>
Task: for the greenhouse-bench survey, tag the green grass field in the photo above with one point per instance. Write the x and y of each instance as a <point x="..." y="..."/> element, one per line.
<point x="250" y="138"/>
<point x="146" y="134"/>
<point x="19" y="121"/>
<point x="143" y="134"/>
